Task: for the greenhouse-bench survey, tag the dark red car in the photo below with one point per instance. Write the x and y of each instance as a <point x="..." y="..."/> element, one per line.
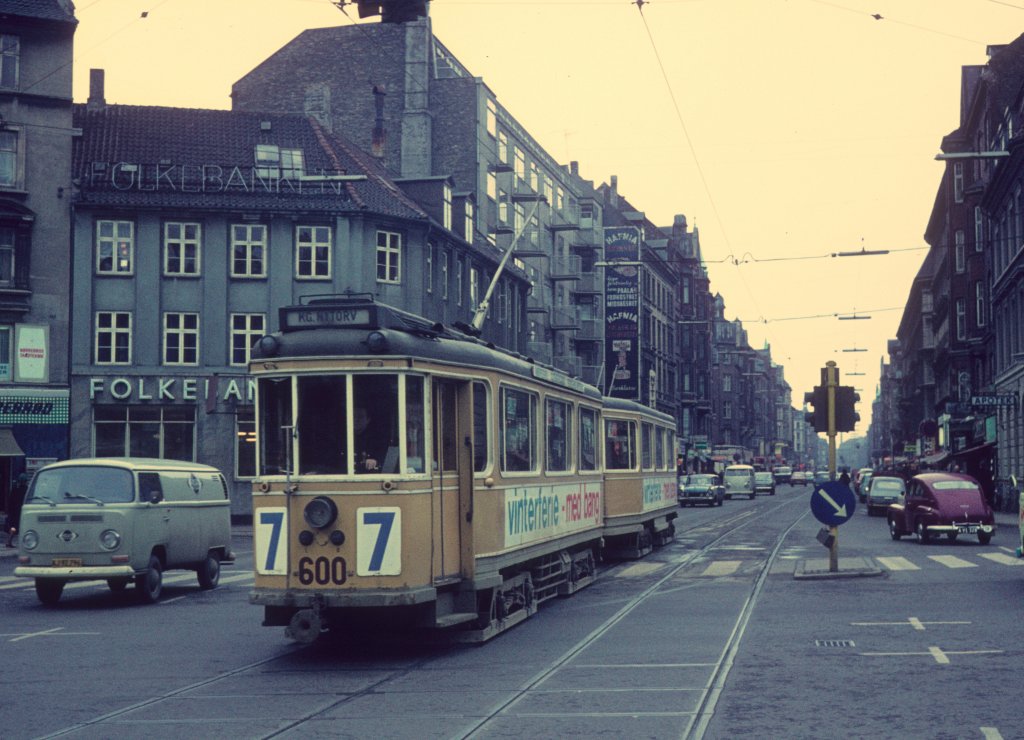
<point x="942" y="503"/>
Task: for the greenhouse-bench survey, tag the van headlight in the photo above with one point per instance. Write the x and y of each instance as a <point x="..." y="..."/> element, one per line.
<point x="30" y="540"/>
<point x="320" y="512"/>
<point x="110" y="539"/>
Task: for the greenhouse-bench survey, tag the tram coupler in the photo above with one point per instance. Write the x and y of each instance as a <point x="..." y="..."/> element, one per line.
<point x="306" y="624"/>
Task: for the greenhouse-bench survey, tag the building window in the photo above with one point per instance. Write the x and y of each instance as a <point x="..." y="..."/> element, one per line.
<point x="502" y="207"/>
<point x="474" y="287"/>
<point x="979" y="303"/>
<point x="245" y="444"/>
<point x="248" y="250"/>
<point x="586" y="215"/>
<point x="9" y="158"/>
<point x="115" y="246"/>
<point x="430" y="268"/>
<point x="113" y="338"/>
<point x="166" y="432"/>
<point x="9" y="58"/>
<point x="726" y="409"/>
<point x="181" y="339"/>
<point x="444" y="275"/>
<point x="181" y="248"/>
<point x="979" y="229"/>
<point x="274" y="163"/>
<point x="470" y="222"/>
<point x="503" y="147"/>
<point x="246" y="329"/>
<point x="727" y="383"/>
<point x="520" y="164"/>
<point x="958" y="182"/>
<point x="389" y="257"/>
<point x="534" y="176"/>
<point x="459" y="269"/>
<point x="492" y="117"/>
<point x="960" y="248"/>
<point x="313" y="252"/>
<point x="446" y="212"/>
<point x="7" y="255"/>
<point x="492" y="185"/>
<point x="961" y="319"/>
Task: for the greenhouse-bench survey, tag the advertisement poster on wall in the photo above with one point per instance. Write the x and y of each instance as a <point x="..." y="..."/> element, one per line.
<point x="622" y="311"/>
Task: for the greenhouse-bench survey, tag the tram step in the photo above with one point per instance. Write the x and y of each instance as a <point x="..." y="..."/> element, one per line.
<point x="450" y="620"/>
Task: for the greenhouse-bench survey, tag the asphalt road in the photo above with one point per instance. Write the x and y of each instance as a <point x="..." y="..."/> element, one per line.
<point x="710" y="636"/>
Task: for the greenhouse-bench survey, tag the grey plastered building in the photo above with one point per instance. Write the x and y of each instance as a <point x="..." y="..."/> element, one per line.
<point x="191" y="228"/>
<point x="36" y="51"/>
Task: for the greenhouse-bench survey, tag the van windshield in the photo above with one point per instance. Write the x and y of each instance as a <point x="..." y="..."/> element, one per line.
<point x="81" y="484"/>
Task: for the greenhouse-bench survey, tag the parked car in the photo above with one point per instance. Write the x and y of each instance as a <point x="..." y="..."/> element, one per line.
<point x="739" y="481"/>
<point x="942" y="503"/>
<point x="764" y="482"/>
<point x="860" y="481"/>
<point x="799" y="478"/>
<point x="882" y="491"/>
<point x="701" y="488"/>
<point x="783" y="475"/>
<point x="821" y="476"/>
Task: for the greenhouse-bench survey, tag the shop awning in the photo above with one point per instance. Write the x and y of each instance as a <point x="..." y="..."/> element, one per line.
<point x="975" y="450"/>
<point x="937" y="459"/>
<point x="9" y="446"/>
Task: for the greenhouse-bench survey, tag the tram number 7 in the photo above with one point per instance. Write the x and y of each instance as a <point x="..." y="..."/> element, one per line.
<point x="379" y="541"/>
<point x="270" y="556"/>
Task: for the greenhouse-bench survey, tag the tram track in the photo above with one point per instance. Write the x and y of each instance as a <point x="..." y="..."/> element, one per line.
<point x="723" y="529"/>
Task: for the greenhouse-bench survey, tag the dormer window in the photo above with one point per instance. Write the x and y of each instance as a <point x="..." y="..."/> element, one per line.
<point x="10" y="53"/>
<point x="274" y="163"/>
<point x="447" y="213"/>
<point x="470" y="220"/>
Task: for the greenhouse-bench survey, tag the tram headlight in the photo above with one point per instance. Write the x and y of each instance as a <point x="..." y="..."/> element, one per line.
<point x="30" y="540"/>
<point x="110" y="539"/>
<point x="320" y="512"/>
<point x="376" y="342"/>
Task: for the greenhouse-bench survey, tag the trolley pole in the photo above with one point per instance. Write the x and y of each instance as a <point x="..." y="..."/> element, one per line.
<point x="831" y="373"/>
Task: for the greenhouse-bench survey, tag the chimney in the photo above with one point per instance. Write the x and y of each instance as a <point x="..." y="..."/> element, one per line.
<point x="679" y="226"/>
<point x="96" y="100"/>
<point x="377" y="145"/>
<point x="613" y="190"/>
<point x="574" y="168"/>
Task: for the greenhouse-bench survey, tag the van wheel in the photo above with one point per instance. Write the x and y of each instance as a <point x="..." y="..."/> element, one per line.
<point x="49" y="590"/>
<point x="209" y="572"/>
<point x="117" y="585"/>
<point x="151" y="583"/>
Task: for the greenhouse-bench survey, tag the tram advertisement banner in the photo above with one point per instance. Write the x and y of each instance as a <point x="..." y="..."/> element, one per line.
<point x="622" y="312"/>
<point x="537" y="513"/>
<point x="660" y="492"/>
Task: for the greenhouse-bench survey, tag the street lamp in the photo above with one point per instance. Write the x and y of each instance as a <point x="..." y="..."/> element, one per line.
<point x="852" y="317"/>
<point x="854" y="349"/>
<point x="862" y="253"/>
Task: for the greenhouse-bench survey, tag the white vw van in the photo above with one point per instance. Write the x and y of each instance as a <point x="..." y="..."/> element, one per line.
<point x="739" y="481"/>
<point x="123" y="520"/>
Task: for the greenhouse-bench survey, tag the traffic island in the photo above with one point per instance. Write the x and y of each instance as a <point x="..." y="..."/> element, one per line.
<point x="818" y="568"/>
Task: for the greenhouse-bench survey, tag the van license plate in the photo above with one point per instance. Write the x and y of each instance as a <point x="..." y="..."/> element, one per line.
<point x="967" y="528"/>
<point x="67" y="562"/>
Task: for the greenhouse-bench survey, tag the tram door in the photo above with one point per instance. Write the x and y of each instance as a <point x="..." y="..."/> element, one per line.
<point x="454" y="471"/>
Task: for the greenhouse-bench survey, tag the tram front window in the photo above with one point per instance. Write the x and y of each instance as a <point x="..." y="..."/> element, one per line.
<point x="375" y="424"/>
<point x="321" y="422"/>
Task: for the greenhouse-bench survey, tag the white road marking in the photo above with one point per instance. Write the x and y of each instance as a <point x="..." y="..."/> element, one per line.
<point x="639" y="569"/>
<point x="991" y="733"/>
<point x="722" y="568"/>
<point x="897" y="563"/>
<point x="998" y="557"/>
<point x="911" y="621"/>
<point x="941" y="656"/>
<point x="952" y="561"/>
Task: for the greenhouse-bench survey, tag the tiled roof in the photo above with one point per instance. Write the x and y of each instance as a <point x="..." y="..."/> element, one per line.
<point x="51" y="10"/>
<point x="169" y="144"/>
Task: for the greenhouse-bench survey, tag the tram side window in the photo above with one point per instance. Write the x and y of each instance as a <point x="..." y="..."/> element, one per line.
<point x="275" y="395"/>
<point x="518" y="430"/>
<point x="620" y="445"/>
<point x="659" y="448"/>
<point x="481" y="427"/>
<point x="646" y="445"/>
<point x="321" y="422"/>
<point x="559" y="435"/>
<point x="415" y="426"/>
<point x="375" y="424"/>
<point x="588" y="439"/>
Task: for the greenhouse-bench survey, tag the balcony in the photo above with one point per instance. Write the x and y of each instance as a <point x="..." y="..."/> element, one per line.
<point x="564" y="319"/>
<point x="593" y="374"/>
<point x="539" y="351"/>
<point x="590" y="330"/>
<point x="566" y="268"/>
<point x="570" y="364"/>
<point x="535" y="303"/>
<point x="589" y="283"/>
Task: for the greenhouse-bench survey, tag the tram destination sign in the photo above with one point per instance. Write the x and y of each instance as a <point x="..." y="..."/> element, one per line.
<point x="994" y="400"/>
<point x="294" y="318"/>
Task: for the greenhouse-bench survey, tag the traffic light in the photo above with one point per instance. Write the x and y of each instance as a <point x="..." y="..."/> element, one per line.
<point x="819" y="400"/>
<point x="846" y="415"/>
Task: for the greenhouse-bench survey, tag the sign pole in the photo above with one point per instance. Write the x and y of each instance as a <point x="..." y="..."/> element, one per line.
<point x="831" y="381"/>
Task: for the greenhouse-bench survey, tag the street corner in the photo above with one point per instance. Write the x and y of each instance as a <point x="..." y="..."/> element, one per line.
<point x="818" y="569"/>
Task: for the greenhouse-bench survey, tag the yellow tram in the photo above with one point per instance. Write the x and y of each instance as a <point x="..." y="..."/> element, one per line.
<point x="413" y="476"/>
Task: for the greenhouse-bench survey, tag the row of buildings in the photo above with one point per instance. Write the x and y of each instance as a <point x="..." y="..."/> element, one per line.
<point x="951" y="391"/>
<point x="144" y="249"/>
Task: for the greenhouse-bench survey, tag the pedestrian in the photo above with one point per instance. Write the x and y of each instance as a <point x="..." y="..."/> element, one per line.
<point x="15" y="498"/>
<point x="845" y="479"/>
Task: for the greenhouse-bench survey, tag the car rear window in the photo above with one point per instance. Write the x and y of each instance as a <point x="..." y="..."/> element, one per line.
<point x="954" y="485"/>
<point x="886" y="485"/>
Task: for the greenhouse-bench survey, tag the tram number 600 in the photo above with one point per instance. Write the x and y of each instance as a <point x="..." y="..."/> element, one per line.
<point x="322" y="571"/>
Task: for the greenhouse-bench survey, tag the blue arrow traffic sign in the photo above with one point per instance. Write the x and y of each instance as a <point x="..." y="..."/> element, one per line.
<point x="833" y="503"/>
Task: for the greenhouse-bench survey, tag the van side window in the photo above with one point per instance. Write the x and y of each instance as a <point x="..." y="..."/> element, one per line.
<point x="150" y="489"/>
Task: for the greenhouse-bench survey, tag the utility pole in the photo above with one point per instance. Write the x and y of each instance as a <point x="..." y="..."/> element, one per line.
<point x="831" y="380"/>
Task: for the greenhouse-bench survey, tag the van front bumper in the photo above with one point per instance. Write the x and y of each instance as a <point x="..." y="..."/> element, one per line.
<point x="84" y="573"/>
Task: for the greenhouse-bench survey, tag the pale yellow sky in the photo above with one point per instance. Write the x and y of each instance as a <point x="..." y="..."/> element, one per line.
<point x="781" y="128"/>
